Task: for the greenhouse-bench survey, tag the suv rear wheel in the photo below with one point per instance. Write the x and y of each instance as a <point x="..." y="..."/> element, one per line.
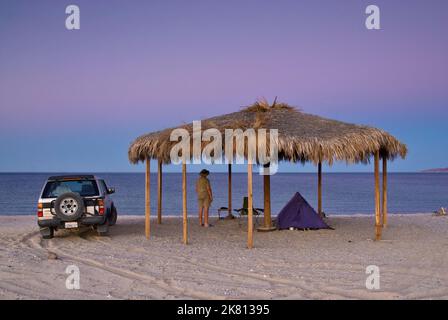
<point x="103" y="230"/>
<point x="113" y="216"/>
<point x="47" y="233"/>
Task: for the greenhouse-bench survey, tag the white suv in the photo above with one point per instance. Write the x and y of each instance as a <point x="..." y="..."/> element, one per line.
<point x="72" y="201"/>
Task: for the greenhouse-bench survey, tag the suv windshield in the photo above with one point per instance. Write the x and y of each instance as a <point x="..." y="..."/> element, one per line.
<point x="85" y="188"/>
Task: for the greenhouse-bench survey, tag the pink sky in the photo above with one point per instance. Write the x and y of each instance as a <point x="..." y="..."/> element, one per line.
<point x="134" y="68"/>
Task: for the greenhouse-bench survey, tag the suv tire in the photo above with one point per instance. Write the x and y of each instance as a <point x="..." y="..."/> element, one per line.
<point x="103" y="230"/>
<point x="47" y="233"/>
<point x="69" y="206"/>
<point x="113" y="216"/>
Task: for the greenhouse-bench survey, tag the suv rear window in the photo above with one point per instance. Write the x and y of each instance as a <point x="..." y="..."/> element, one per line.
<point x="85" y="188"/>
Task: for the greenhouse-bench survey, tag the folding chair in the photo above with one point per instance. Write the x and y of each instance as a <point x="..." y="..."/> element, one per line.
<point x="244" y="211"/>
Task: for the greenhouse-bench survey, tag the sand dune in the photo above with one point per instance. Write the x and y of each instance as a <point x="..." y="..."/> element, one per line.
<point x="326" y="264"/>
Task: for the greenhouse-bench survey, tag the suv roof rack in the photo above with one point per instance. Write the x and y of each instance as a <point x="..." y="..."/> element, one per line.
<point x="72" y="177"/>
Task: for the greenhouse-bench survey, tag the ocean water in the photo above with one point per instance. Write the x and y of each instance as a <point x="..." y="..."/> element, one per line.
<point x="343" y="193"/>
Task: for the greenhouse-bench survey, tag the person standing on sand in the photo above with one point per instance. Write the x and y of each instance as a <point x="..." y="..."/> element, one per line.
<point x="205" y="196"/>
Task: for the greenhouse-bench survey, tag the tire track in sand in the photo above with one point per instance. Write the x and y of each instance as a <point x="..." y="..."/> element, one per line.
<point x="306" y="289"/>
<point x="33" y="241"/>
<point x="272" y="281"/>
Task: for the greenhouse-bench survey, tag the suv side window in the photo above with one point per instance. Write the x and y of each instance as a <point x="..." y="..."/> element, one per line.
<point x="103" y="186"/>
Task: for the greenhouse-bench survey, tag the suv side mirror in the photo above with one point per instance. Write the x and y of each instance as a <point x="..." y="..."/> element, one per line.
<point x="110" y="190"/>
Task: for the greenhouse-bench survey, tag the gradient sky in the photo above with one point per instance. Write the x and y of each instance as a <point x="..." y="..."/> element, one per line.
<point x="74" y="100"/>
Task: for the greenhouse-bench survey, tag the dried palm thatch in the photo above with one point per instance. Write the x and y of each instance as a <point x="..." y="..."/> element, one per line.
<point x="301" y="137"/>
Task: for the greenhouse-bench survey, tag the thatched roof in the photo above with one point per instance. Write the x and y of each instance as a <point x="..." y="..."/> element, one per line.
<point x="302" y="137"/>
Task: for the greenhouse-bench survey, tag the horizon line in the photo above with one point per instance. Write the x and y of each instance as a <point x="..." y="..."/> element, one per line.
<point x="176" y="172"/>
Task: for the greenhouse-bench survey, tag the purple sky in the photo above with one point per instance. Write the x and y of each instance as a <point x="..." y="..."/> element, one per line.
<point x="74" y="100"/>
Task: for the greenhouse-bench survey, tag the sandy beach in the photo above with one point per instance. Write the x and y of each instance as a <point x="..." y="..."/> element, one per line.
<point x="324" y="264"/>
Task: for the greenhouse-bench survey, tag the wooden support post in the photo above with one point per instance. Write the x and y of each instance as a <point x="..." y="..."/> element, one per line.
<point x="267" y="200"/>
<point x="184" y="203"/>
<point x="159" y="193"/>
<point x="229" y="206"/>
<point x="319" y="188"/>
<point x="147" y="199"/>
<point x="384" y="207"/>
<point x="267" y="223"/>
<point x="377" y="197"/>
<point x="250" y="225"/>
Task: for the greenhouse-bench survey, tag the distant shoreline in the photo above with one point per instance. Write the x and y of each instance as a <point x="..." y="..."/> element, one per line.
<point x="436" y="170"/>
